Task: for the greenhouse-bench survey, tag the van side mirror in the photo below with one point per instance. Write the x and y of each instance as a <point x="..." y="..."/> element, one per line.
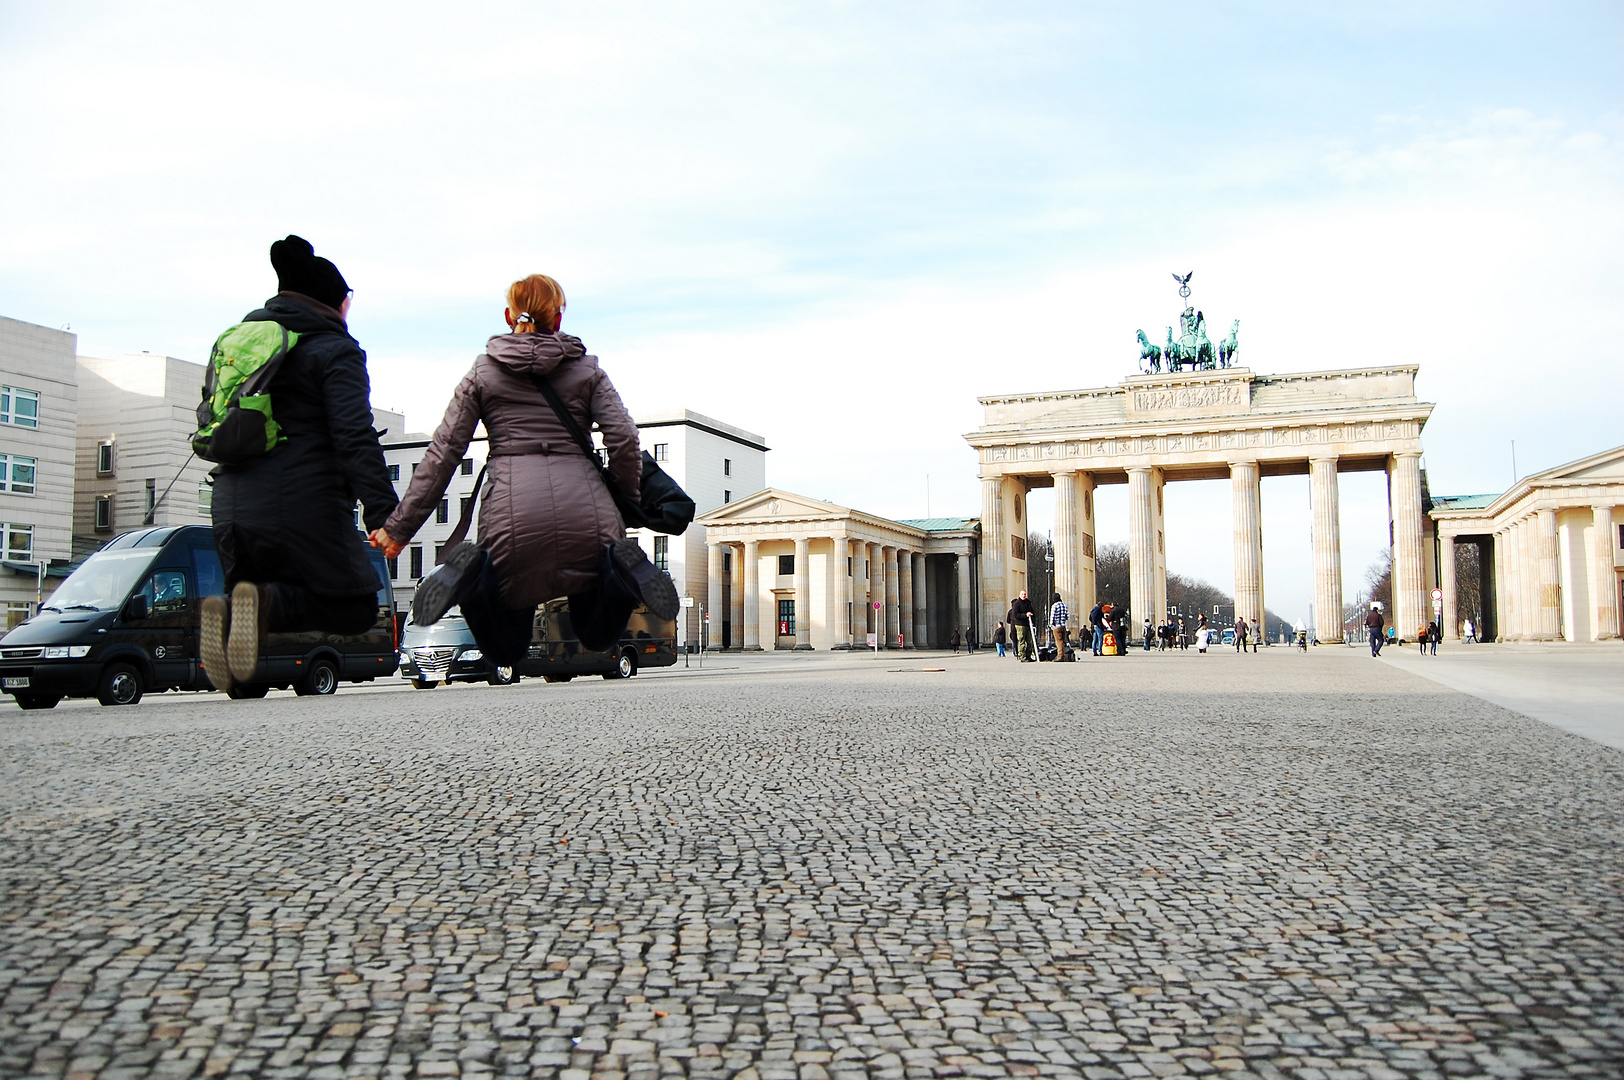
<point x="136" y="608"/>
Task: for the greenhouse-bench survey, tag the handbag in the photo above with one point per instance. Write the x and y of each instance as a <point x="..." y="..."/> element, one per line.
<point x="662" y="505"/>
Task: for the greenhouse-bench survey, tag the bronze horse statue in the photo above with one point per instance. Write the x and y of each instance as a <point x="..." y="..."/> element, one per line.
<point x="1150" y="356"/>
<point x="1228" y="347"/>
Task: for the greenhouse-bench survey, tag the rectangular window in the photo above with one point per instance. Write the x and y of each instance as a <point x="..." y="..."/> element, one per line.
<point x="786" y="565"/>
<point x="786" y="618"/>
<point x="17" y="474"/>
<point x="104" y="513"/>
<point x="19" y="542"/>
<point x="168" y="592"/>
<point x="439" y="554"/>
<point x="848" y="566"/>
<point x="662" y="451"/>
<point x="104" y="458"/>
<point x="416" y="561"/>
<point x="462" y="505"/>
<point x="152" y="499"/>
<point x="662" y="553"/>
<point x="727" y="466"/>
<point x="205" y="499"/>
<point x="20" y="407"/>
<point x="394" y="472"/>
<point x="17" y="611"/>
<point x="394" y="567"/>
<point x="467" y="467"/>
<point x="727" y="562"/>
<point x="442" y="513"/>
<point x="727" y="496"/>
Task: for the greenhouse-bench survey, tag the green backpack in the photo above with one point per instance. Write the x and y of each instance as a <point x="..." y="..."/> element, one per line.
<point x="234" y="423"/>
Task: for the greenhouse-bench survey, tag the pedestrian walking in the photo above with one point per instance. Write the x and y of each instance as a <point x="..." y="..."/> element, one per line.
<point x="953" y="639"/>
<point x="1433" y="634"/>
<point x="1468" y="632"/>
<point x="1184" y="640"/>
<point x="1240" y="635"/>
<point x="998" y="639"/>
<point x="1096" y="627"/>
<point x="1201" y="637"/>
<point x="284" y="518"/>
<point x="1022" y="617"/>
<point x="969" y="639"/>
<point x="1373" y="627"/>
<point x="1059" y="616"/>
<point x="548" y="524"/>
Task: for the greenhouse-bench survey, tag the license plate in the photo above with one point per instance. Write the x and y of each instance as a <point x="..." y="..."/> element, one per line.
<point x="15" y="684"/>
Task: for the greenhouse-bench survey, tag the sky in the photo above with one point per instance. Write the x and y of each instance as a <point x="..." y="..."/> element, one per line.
<point x="837" y="224"/>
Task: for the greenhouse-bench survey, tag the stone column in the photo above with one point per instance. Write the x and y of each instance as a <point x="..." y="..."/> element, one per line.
<point x="1158" y="606"/>
<point x="843" y="595"/>
<point x="1141" y="548"/>
<point x="921" y="632"/>
<point x="905" y="598"/>
<point x="713" y="601"/>
<point x="993" y="545"/>
<point x="1087" y="585"/>
<point x="1246" y="511"/>
<point x="961" y="613"/>
<point x="1501" y="601"/>
<point x="803" y="594"/>
<point x="1325" y="498"/>
<point x="892" y="599"/>
<point x="1065" y="536"/>
<point x="1606" y="588"/>
<point x="1550" y="577"/>
<point x="876" y="590"/>
<point x="1513" y="589"/>
<point x="752" y="597"/>
<point x="1450" y="619"/>
<point x="1409" y="589"/>
<point x="1527" y="580"/>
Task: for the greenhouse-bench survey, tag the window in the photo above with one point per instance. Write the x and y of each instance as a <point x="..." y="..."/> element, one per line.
<point x="394" y="567"/>
<point x="462" y="505"/>
<point x="205" y="499"/>
<point x="727" y="562"/>
<point x="439" y="554"/>
<point x="442" y="513"/>
<point x="104" y="513"/>
<point x="152" y="498"/>
<point x="848" y="566"/>
<point x="727" y="496"/>
<point x="786" y="618"/>
<point x="467" y="467"/>
<point x="786" y="565"/>
<point x="662" y="553"/>
<point x="727" y="466"/>
<point x="20" y="407"/>
<point x="17" y="474"/>
<point x="104" y="458"/>
<point x="167" y="592"/>
<point x="394" y="472"/>
<point x="19" y="542"/>
<point x="662" y="451"/>
<point x="417" y="561"/>
<point x="17" y="611"/>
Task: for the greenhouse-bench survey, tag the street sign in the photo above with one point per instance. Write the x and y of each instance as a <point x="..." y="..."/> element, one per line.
<point x="871" y="642"/>
<point x="1437" y="596"/>
<point x="687" y="601"/>
<point x="1437" y="604"/>
<point x="707" y="616"/>
<point x="876" y="605"/>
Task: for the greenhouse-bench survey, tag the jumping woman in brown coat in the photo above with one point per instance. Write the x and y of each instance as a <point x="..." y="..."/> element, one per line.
<point x="548" y="526"/>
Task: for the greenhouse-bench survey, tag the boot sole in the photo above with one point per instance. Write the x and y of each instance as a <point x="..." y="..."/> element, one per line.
<point x="441" y="590"/>
<point x="242" y="643"/>
<point x="654" y="587"/>
<point x="216" y="617"/>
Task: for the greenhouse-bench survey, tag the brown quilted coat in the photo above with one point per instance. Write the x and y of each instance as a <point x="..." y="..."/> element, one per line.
<point x="544" y="515"/>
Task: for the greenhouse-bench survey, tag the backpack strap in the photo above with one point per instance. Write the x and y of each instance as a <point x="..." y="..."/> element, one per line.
<point x="466" y="518"/>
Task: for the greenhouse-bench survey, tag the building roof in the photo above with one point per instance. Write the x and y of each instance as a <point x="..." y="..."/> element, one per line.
<point x="940" y="524"/>
<point x="1463" y="502"/>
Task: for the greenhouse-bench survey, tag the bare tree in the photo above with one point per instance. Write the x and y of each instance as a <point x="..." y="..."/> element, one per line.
<point x="1039" y="583"/>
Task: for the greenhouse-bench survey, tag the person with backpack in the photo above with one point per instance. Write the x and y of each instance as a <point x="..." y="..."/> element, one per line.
<point x="287" y="416"/>
<point x="548" y="523"/>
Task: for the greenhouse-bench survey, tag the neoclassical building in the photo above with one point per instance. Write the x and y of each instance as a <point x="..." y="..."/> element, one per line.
<point x="790" y="572"/>
<point x="1551" y="553"/>
<point x="1226" y="423"/>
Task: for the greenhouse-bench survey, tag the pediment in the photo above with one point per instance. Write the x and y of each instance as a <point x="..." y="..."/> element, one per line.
<point x="1607" y="465"/>
<point x="772" y="504"/>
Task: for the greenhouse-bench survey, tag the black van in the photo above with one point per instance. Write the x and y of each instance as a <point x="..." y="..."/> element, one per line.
<point x="557" y="655"/>
<point x="126" y="622"/>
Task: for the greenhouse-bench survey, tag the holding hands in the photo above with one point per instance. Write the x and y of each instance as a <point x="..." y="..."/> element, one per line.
<point x="391" y="547"/>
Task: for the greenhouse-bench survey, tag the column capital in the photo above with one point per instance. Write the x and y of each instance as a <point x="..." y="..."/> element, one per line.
<point x="1417" y="454"/>
<point x="1243" y="463"/>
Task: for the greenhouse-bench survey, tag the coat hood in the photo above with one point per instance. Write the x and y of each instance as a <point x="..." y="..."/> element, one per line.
<point x="300" y="314"/>
<point x="536" y="354"/>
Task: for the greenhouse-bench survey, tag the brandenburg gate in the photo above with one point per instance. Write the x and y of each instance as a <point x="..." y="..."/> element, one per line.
<point x="1202" y="424"/>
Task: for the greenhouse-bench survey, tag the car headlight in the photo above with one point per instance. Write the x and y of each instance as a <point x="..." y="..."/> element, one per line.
<point x="65" y="652"/>
<point x="471" y="655"/>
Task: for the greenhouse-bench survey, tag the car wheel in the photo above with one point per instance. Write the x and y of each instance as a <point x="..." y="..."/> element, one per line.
<point x="558" y="678"/>
<point x="120" y="685"/>
<point x="321" y="679"/>
<point x="625" y="666"/>
<point x="38" y="701"/>
<point x="424" y="684"/>
<point x="503" y="676"/>
<point x="247" y="691"/>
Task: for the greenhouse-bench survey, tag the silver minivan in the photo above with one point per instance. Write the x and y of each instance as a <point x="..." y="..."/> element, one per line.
<point x="446" y="652"/>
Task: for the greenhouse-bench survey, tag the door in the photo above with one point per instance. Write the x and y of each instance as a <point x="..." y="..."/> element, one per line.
<point x="167" y="635"/>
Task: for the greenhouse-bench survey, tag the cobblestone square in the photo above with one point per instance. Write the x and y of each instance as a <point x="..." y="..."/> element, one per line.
<point x="818" y="868"/>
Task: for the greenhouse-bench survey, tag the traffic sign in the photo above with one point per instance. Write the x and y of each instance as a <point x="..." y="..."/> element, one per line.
<point x="687" y="601"/>
<point x="1437" y="596"/>
<point x="876" y="605"/>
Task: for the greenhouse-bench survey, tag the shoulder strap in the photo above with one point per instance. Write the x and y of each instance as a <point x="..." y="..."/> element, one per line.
<point x="466" y="518"/>
<point x="581" y="438"/>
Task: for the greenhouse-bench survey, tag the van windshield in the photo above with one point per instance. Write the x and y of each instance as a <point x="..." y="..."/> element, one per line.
<point x="103" y="582"/>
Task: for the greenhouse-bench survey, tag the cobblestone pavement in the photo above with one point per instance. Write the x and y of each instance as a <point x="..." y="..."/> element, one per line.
<point x="809" y="868"/>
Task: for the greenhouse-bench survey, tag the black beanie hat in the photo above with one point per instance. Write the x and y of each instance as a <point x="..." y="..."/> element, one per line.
<point x="299" y="269"/>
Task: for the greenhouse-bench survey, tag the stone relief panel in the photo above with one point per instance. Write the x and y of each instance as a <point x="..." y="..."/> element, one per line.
<point x="1088" y="545"/>
<point x="1232" y="395"/>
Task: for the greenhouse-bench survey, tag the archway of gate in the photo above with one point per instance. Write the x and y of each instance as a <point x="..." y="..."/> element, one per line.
<point x="1230" y="425"/>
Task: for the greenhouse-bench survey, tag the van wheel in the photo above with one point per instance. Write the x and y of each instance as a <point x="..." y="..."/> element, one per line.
<point x="558" y="678"/>
<point x="424" y="684"/>
<point x="503" y="676"/>
<point x="247" y="691"/>
<point x="120" y="685"/>
<point x="321" y="679"/>
<point x="625" y="666"/>
<point x="38" y="701"/>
